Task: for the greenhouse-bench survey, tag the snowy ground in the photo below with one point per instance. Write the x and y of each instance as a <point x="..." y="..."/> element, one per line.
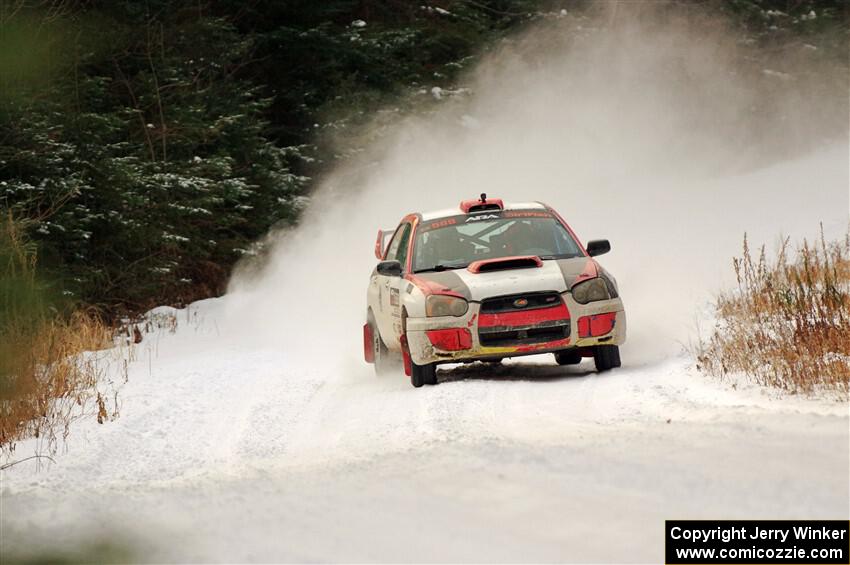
<point x="225" y="451"/>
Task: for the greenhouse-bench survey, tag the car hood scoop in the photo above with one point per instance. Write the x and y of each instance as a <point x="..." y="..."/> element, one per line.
<point x="558" y="275"/>
<point x="505" y="263"/>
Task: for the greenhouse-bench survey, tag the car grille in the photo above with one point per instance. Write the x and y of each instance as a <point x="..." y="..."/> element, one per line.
<point x="532" y="332"/>
<point x="506" y="303"/>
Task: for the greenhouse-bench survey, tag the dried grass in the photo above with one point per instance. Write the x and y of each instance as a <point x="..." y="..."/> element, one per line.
<point x="52" y="369"/>
<point x="54" y="377"/>
<point x="787" y="325"/>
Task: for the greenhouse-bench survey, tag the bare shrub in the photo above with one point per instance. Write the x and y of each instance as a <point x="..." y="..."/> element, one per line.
<point x="787" y="325"/>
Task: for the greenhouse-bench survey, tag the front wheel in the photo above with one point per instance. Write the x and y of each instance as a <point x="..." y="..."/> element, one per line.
<point x="606" y="357"/>
<point x="419" y="374"/>
<point x="423" y="374"/>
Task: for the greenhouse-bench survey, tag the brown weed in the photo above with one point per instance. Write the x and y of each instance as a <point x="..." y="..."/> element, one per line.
<point x="787" y="325"/>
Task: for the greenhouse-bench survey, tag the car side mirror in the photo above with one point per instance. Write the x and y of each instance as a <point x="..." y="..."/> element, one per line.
<point x="598" y="247"/>
<point x="389" y="268"/>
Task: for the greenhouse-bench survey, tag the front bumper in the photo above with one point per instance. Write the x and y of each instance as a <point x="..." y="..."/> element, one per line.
<point x="423" y="351"/>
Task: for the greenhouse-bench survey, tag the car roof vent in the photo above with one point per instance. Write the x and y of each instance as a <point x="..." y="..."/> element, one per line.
<point x="482" y="204"/>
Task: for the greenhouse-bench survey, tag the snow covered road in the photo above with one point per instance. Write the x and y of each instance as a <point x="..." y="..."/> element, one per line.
<point x="227" y="451"/>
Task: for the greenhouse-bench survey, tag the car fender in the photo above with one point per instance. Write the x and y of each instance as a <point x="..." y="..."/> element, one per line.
<point x="373" y="298"/>
<point x="412" y="299"/>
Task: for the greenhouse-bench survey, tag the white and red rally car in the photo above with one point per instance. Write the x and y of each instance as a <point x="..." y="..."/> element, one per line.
<point x="486" y="281"/>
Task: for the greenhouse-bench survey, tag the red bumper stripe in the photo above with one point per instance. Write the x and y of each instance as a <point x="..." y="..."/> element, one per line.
<point x="524" y="317"/>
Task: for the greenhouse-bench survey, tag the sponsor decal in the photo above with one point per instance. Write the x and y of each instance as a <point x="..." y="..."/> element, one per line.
<point x="526" y="214"/>
<point x="479" y="217"/>
<point x="439" y="223"/>
<point x="442" y="223"/>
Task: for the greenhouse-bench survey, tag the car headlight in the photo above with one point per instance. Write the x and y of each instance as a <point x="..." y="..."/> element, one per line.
<point x="591" y="291"/>
<point x="443" y="305"/>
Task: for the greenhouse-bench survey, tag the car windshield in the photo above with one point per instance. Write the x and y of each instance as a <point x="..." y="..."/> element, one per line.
<point x="457" y="241"/>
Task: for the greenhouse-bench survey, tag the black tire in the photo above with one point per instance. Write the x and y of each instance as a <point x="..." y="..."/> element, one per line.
<point x="606" y="357"/>
<point x="379" y="349"/>
<point x="568" y="357"/>
<point x="423" y="374"/>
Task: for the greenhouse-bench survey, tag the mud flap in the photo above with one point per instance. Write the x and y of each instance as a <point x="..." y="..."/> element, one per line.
<point x="405" y="356"/>
<point x="368" y="348"/>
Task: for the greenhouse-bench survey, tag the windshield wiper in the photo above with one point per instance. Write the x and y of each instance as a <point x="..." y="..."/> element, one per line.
<point x="440" y="267"/>
<point x="558" y="256"/>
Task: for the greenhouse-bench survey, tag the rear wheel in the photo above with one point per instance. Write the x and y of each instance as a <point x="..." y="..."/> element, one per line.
<point x="379" y="349"/>
<point x="606" y="357"/>
<point x="568" y="357"/>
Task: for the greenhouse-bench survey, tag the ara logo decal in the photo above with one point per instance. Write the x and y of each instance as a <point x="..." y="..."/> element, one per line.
<point x="480" y="217"/>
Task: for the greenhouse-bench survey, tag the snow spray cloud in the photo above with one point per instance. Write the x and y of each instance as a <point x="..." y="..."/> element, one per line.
<point x="639" y="126"/>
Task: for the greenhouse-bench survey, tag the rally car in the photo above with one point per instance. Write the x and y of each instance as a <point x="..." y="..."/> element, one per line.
<point x="486" y="281"/>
